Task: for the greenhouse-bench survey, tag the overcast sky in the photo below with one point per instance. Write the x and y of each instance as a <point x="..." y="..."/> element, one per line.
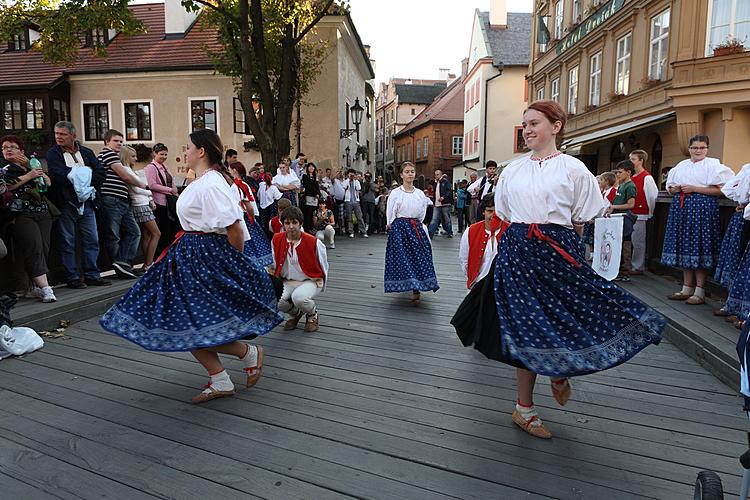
<point x="414" y="38"/>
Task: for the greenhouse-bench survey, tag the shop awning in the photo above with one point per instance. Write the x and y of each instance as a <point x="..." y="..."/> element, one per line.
<point x="574" y="144"/>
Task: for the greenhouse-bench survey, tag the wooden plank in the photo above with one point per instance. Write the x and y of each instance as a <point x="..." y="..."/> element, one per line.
<point x="13" y="488"/>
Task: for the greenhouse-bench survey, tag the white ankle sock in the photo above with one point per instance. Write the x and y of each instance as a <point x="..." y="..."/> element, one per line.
<point x="687" y="290"/>
<point x="251" y="358"/>
<point x="699" y="292"/>
<point x="526" y="412"/>
<point x="221" y="381"/>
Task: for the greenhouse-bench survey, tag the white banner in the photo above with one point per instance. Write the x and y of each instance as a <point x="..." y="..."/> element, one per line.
<point x="607" y="246"/>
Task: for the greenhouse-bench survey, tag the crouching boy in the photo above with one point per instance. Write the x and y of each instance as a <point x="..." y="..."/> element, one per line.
<point x="300" y="261"/>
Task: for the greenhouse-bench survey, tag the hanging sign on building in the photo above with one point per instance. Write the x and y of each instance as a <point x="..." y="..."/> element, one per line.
<point x="589" y="24"/>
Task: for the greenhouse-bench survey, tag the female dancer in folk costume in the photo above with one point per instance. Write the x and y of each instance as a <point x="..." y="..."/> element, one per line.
<point x="738" y="302"/>
<point x="258" y="246"/>
<point x="204" y="293"/>
<point x="268" y="197"/>
<point x="692" y="238"/>
<point x="556" y="316"/>
<point x="408" y="252"/>
<point x="736" y="189"/>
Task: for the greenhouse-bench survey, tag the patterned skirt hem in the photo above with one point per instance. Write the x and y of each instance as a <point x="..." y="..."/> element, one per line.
<point x="623" y="346"/>
<point x="738" y="307"/>
<point x="411" y="285"/>
<point x="689" y="261"/>
<point x="126" y="326"/>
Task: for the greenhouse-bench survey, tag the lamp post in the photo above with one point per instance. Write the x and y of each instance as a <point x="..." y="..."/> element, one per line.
<point x="356" y="112"/>
<point x="348" y="157"/>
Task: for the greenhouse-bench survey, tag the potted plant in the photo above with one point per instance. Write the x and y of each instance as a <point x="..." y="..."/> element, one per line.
<point x="729" y="46"/>
<point x="649" y="82"/>
<point x="251" y="144"/>
<point x="615" y="96"/>
<point x="590" y="107"/>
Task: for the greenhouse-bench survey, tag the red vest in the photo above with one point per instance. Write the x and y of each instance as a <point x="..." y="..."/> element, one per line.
<point x="612" y="194"/>
<point x="276" y="225"/>
<point x="478" y="243"/>
<point x="641" y="204"/>
<point x="307" y="255"/>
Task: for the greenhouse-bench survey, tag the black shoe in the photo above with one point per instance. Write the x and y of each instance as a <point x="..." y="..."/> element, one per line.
<point x="123" y="270"/>
<point x="138" y="272"/>
<point x="97" y="282"/>
<point x="450" y="236"/>
<point x="76" y="284"/>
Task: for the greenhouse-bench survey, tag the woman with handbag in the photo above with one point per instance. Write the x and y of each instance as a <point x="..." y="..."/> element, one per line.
<point x="204" y="294"/>
<point x="162" y="186"/>
<point x="28" y="220"/>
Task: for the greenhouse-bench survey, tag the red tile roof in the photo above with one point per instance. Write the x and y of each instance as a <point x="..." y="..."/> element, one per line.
<point x="448" y="106"/>
<point x="145" y="52"/>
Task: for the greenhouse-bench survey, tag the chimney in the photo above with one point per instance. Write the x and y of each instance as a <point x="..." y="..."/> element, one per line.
<point x="443" y="73"/>
<point x="177" y="20"/>
<point x="498" y="13"/>
<point x="465" y="67"/>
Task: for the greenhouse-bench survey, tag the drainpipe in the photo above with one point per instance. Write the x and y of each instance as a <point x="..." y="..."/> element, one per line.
<point x="486" y="108"/>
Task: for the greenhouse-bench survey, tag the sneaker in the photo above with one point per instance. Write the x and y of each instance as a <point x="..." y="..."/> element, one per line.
<point x="47" y="295"/>
<point x="97" y="282"/>
<point x="33" y="293"/>
<point x="76" y="284"/>
<point x="365" y="235"/>
<point x="332" y="247"/>
<point x="123" y="270"/>
<point x="351" y="235"/>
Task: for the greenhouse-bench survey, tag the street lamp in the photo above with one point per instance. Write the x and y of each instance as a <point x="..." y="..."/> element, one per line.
<point x="356" y="112"/>
<point x="347" y="156"/>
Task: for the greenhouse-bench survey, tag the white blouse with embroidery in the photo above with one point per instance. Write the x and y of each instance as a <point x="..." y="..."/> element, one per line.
<point x="704" y="173"/>
<point x="210" y="205"/>
<point x="558" y="189"/>
<point x="409" y="205"/>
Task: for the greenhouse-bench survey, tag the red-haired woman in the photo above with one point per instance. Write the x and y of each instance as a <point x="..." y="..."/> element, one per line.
<point x="556" y="316"/>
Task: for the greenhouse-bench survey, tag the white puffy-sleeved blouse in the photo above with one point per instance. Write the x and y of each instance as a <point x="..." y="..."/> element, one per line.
<point x="408" y="205"/>
<point x="704" y="173"/>
<point x="558" y="189"/>
<point x="738" y="187"/>
<point x="210" y="205"/>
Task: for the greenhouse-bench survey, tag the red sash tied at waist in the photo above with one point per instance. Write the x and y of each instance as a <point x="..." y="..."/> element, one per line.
<point x="535" y="232"/>
<point x="682" y="198"/>
<point x="415" y="225"/>
<point x="177" y="238"/>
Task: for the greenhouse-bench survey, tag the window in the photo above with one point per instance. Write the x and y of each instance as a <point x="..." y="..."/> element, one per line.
<point x="540" y="93"/>
<point x="97" y="38"/>
<point x="555" y="90"/>
<point x="558" y="20"/>
<point x="476" y="92"/>
<point x="470" y="143"/>
<point x="425" y="147"/>
<point x="12" y="114"/>
<point x="458" y="145"/>
<point x="34" y="113"/>
<point x="572" y="90"/>
<point x="577" y="11"/>
<point x="471" y="100"/>
<point x="398" y="154"/>
<point x="595" y="79"/>
<point x="466" y="141"/>
<point x="240" y="127"/>
<point x="622" y="65"/>
<point x="466" y="102"/>
<point x="19" y="42"/>
<point x="418" y="153"/>
<point x="95" y="121"/>
<point x="203" y="114"/>
<point x="138" y="121"/>
<point x="657" y="53"/>
<point x="475" y="142"/>
<point x="60" y="110"/>
<point x="729" y="17"/>
<point x="519" y="143"/>
<point x="413" y="111"/>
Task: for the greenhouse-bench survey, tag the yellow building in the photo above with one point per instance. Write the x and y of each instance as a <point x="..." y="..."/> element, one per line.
<point x="645" y="74"/>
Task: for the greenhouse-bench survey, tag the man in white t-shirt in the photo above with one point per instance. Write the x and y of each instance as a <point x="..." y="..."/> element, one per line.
<point x="481" y="187"/>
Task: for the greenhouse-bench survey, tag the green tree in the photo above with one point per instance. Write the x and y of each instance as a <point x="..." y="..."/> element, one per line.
<point x="269" y="48"/>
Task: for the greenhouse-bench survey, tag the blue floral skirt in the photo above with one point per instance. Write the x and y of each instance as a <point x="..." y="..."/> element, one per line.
<point x="693" y="236"/>
<point x="738" y="302"/>
<point x="557" y="317"/>
<point x="730" y="253"/>
<point x="258" y="247"/>
<point x="408" y="258"/>
<point x="291" y="196"/>
<point x="203" y="293"/>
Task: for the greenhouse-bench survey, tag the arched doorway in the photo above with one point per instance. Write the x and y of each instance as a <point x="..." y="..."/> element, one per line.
<point x="656" y="154"/>
<point x="617" y="154"/>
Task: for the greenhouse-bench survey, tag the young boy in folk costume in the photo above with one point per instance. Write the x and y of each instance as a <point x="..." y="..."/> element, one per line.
<point x="479" y="244"/>
<point x="300" y="261"/>
<point x="275" y="225"/>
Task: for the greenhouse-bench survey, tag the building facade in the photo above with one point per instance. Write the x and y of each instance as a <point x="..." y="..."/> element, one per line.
<point x="160" y="86"/>
<point x="644" y="74"/>
<point x="495" y="87"/>
<point x="434" y="139"/>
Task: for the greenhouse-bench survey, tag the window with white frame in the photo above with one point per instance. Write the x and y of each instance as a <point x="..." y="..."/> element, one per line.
<point x="622" y="65"/>
<point x="34" y="113"/>
<point x="558" y="20"/>
<point x="577" y="10"/>
<point x="573" y="90"/>
<point x="203" y="114"/>
<point x="728" y="18"/>
<point x="659" y="45"/>
<point x="418" y="153"/>
<point x="240" y="127"/>
<point x="540" y="93"/>
<point x="555" y="90"/>
<point x="457" y="148"/>
<point x="425" y="147"/>
<point x="95" y="121"/>
<point x="595" y="79"/>
<point x="138" y="121"/>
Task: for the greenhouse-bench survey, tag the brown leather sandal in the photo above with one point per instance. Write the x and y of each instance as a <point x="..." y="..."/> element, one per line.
<point x="533" y="426"/>
<point x="291" y="323"/>
<point x="679" y="296"/>
<point x="561" y="390"/>
<point x="211" y="394"/>
<point x="695" y="301"/>
<point x="254" y="372"/>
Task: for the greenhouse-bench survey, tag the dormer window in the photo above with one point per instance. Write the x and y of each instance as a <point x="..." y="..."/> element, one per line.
<point x="97" y="38"/>
<point x="19" y="42"/>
